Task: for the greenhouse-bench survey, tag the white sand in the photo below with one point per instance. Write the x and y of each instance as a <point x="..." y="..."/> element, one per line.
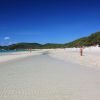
<point x="91" y="56"/>
<point x="17" y="55"/>
<point x="44" y="78"/>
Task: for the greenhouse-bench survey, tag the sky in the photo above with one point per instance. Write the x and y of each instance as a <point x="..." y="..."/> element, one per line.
<point x="47" y="21"/>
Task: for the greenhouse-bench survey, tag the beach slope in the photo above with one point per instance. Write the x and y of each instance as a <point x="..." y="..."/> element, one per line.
<point x="42" y="77"/>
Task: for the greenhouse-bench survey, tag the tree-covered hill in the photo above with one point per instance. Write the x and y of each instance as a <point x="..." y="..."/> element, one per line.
<point x="24" y="46"/>
<point x="93" y="39"/>
<point x="51" y="45"/>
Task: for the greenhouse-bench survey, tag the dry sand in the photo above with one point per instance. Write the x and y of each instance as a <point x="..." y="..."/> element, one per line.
<point x="90" y="58"/>
<point x="42" y="77"/>
<point x="17" y="55"/>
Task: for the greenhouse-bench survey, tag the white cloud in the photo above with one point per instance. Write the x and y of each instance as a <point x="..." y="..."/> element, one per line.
<point x="6" y="38"/>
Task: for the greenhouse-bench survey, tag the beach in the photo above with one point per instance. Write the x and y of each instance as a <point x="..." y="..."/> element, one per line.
<point x="90" y="58"/>
<point x="17" y="55"/>
<point x="50" y="74"/>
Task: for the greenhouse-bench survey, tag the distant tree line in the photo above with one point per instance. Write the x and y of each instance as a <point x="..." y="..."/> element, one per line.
<point x="93" y="39"/>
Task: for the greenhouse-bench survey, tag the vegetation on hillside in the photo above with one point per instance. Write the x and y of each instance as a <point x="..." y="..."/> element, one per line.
<point x="24" y="46"/>
<point x="51" y="45"/>
<point x="93" y="39"/>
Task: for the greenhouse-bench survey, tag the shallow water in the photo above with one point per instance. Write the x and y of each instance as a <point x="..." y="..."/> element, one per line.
<point x="7" y="52"/>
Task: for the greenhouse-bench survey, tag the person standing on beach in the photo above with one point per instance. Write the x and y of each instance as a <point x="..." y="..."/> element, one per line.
<point x="81" y="51"/>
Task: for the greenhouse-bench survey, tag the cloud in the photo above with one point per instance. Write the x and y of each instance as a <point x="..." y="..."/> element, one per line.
<point x="6" y="38"/>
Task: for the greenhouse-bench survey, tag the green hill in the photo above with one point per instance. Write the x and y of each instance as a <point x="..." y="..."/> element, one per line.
<point x="51" y="45"/>
<point x="24" y="46"/>
<point x="93" y="39"/>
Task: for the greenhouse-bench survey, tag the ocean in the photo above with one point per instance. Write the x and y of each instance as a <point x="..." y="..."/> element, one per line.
<point x="6" y="52"/>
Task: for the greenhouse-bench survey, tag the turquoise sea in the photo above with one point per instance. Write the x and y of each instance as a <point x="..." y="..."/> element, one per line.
<point x="5" y="52"/>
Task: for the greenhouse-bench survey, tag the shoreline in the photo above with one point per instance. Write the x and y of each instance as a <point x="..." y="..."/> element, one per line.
<point x="17" y="55"/>
<point x="90" y="58"/>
